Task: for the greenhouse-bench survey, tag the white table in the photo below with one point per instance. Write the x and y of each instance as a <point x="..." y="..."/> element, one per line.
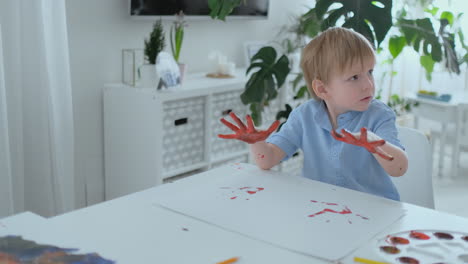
<point x="131" y="229"/>
<point x="445" y="113"/>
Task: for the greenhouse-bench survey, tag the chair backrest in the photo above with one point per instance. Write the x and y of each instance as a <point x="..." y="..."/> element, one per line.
<point x="415" y="186"/>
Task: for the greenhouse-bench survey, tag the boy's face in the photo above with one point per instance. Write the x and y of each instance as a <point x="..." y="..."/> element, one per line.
<point x="351" y="90"/>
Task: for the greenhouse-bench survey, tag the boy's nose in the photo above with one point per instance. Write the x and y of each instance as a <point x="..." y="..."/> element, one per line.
<point x="368" y="83"/>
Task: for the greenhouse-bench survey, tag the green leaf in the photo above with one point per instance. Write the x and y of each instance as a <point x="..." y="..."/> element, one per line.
<point x="254" y="89"/>
<point x="256" y="113"/>
<point x="263" y="84"/>
<point x="266" y="55"/>
<point x="303" y="91"/>
<point x="359" y="15"/>
<point x="396" y="45"/>
<point x="421" y="32"/>
<point x="428" y="63"/>
<point x="433" y="11"/>
<point x="281" y="70"/>
<point x="219" y="9"/>
<point x="310" y="23"/>
<point x="448" y="16"/>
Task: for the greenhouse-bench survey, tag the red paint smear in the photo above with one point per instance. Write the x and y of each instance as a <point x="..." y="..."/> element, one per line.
<point x="261" y="156"/>
<point x="313" y="201"/>
<point x="330" y="203"/>
<point x="344" y="211"/>
<point x="232" y="198"/>
<point x="251" y="192"/>
<point x="441" y="235"/>
<point x="390" y="249"/>
<point x="363" y="217"/>
<point x="397" y="240"/>
<point x="419" y="235"/>
<point x="260" y="188"/>
<point x="408" y="260"/>
<point x="243" y="188"/>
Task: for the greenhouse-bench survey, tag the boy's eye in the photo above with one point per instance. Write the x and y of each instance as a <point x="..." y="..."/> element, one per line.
<point x="371" y="71"/>
<point x="354" y="77"/>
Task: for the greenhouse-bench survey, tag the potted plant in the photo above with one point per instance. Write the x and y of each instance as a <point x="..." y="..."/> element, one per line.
<point x="263" y="84"/>
<point x="153" y="45"/>
<point x="374" y="19"/>
<point x="176" y="38"/>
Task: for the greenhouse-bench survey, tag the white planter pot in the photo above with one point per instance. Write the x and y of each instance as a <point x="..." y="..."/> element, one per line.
<point x="148" y="76"/>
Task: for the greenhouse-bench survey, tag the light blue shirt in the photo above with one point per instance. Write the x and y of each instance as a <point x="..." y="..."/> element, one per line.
<point x="331" y="161"/>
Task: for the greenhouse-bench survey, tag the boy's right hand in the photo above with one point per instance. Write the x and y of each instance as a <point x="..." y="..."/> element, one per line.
<point x="247" y="133"/>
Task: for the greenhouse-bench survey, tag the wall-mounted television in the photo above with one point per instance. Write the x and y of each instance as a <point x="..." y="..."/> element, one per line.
<point x="195" y="8"/>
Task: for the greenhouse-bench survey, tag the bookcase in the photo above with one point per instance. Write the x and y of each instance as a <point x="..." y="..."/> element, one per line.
<point x="154" y="135"/>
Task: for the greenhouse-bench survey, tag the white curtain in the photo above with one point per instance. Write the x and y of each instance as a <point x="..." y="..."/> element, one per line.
<point x="39" y="103"/>
<point x="6" y="188"/>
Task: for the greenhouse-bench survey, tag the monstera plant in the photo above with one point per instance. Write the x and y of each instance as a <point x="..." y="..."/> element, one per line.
<point x="373" y="19"/>
<point x="263" y="84"/>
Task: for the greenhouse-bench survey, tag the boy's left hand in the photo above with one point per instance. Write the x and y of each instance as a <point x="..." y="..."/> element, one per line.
<point x="365" y="139"/>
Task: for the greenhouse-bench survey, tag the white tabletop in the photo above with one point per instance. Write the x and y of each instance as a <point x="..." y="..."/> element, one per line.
<point x="132" y="229"/>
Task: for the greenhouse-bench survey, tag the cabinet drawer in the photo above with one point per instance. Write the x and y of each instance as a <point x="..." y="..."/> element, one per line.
<point x="183" y="133"/>
<point x="223" y="104"/>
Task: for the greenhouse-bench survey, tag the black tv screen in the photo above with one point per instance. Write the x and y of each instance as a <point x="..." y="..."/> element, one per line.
<point x="251" y="8"/>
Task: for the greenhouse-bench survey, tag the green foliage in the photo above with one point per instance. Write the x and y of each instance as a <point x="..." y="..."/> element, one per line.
<point x="177" y="35"/>
<point x="401" y="105"/>
<point x="221" y="8"/>
<point x="396" y="45"/>
<point x="156" y="42"/>
<point x="372" y="18"/>
<point x="433" y="46"/>
<point x="263" y="84"/>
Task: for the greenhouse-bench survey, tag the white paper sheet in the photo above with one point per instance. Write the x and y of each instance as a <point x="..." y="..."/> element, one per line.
<point x="299" y="214"/>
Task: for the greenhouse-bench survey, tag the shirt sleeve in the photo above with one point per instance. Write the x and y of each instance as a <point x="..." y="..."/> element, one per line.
<point x="290" y="135"/>
<point x="387" y="130"/>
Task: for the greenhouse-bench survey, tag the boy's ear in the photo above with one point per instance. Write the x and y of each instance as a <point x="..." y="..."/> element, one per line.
<point x="319" y="89"/>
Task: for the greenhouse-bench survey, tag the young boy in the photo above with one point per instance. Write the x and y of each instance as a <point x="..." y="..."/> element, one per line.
<point x="337" y="67"/>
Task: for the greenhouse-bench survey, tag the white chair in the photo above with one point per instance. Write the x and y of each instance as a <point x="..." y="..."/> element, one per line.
<point x="455" y="136"/>
<point x="415" y="186"/>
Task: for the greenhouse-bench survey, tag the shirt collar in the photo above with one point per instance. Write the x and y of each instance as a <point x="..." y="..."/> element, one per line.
<point x="321" y="117"/>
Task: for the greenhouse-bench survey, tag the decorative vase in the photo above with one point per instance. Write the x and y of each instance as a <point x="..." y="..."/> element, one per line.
<point x="148" y="76"/>
<point x="183" y="71"/>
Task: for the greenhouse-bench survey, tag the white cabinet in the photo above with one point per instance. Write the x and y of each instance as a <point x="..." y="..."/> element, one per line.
<point x="153" y="135"/>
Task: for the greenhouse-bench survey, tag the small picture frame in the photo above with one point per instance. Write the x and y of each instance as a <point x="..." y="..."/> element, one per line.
<point x="251" y="48"/>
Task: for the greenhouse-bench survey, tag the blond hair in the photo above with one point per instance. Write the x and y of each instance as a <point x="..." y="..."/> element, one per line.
<point x="331" y="52"/>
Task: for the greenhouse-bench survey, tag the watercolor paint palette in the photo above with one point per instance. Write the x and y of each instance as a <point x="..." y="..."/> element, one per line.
<point x="424" y="246"/>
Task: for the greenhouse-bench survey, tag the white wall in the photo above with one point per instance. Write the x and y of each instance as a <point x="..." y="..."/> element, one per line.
<point x="99" y="30"/>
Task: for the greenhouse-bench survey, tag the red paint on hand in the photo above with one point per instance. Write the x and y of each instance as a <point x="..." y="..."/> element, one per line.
<point x="349" y="138"/>
<point x="247" y="133"/>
